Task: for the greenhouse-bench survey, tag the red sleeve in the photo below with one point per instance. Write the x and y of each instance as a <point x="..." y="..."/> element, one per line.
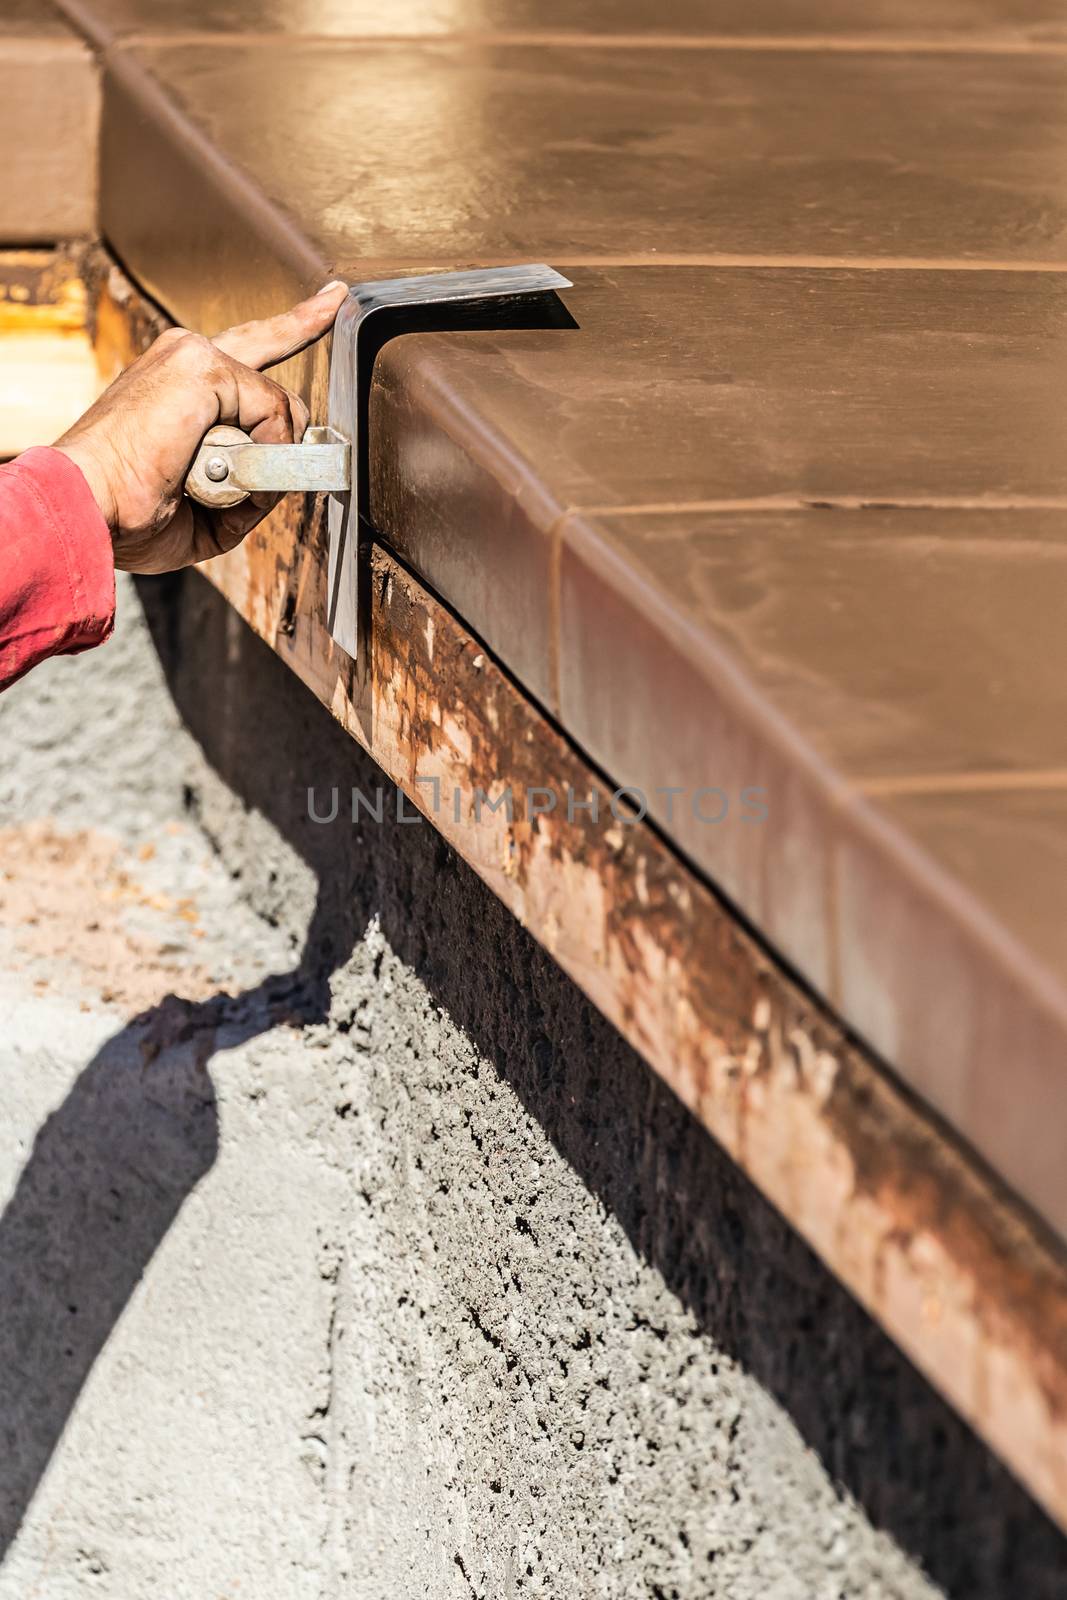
<point x="57" y="569"/>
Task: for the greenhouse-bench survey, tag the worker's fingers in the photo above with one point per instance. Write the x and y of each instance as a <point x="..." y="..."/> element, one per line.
<point x="280" y="426"/>
<point x="283" y="426"/>
<point x="266" y="411"/>
<point x="263" y="344"/>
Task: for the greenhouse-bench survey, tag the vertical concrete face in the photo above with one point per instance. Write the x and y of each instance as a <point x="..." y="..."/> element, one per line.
<point x="396" y="1272"/>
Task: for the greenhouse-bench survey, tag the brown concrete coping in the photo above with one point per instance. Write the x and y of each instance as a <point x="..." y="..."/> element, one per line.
<point x="789" y="526"/>
<point x="925" y="1237"/>
<point x="864" y="617"/>
<point x="756" y="391"/>
<point x="49" y="115"/>
<point x="787" y="513"/>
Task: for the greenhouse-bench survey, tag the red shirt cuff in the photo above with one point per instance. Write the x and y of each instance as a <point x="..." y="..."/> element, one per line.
<point x="57" y="595"/>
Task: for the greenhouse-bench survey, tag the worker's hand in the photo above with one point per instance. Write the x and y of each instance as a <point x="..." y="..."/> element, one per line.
<point x="136" y="444"/>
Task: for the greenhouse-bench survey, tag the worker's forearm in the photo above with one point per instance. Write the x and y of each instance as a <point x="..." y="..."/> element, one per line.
<point x="57" y="572"/>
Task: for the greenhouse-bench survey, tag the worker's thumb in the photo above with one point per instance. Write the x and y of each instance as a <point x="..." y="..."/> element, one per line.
<point x="263" y="344"/>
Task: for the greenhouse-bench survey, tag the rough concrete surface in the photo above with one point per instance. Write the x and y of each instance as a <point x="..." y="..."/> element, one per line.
<point x="345" y="1252"/>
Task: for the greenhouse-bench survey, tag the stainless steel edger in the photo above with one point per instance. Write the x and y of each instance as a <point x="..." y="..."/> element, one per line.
<point x="334" y="459"/>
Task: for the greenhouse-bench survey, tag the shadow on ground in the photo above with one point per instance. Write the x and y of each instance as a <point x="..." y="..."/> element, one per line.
<point x="751" y="1283"/>
<point x="108" y="1173"/>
